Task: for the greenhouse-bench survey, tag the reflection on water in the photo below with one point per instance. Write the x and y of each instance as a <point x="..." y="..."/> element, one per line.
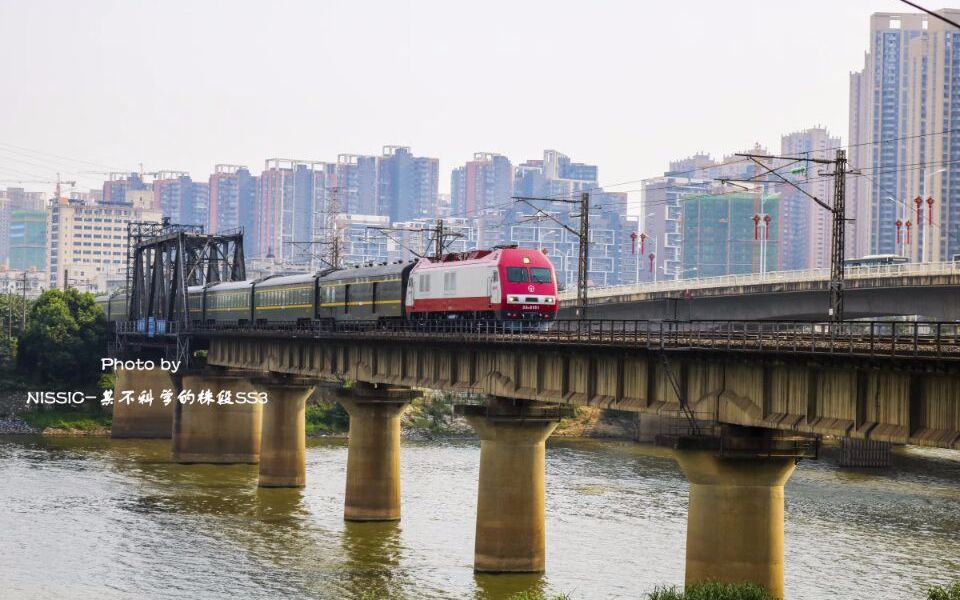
<point x="97" y="518"/>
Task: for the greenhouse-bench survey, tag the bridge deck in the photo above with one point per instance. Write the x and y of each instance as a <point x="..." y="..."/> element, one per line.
<point x="883" y="340"/>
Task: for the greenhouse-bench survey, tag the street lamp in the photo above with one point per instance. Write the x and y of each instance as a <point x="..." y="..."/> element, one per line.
<point x="762" y="237"/>
<point x="927" y="250"/>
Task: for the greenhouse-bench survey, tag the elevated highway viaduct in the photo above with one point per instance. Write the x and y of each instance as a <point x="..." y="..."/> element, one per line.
<point x="931" y="291"/>
<point x="749" y="399"/>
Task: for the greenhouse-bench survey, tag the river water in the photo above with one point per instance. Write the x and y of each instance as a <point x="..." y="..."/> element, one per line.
<point x="96" y="518"/>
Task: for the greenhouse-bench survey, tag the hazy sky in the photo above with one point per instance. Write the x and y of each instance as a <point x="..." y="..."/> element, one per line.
<point x="625" y="85"/>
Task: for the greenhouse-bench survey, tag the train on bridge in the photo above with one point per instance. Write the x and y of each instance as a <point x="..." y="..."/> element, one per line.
<point x="501" y="284"/>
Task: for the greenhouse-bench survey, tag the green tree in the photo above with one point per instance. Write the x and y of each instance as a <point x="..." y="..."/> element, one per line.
<point x="11" y="321"/>
<point x="64" y="339"/>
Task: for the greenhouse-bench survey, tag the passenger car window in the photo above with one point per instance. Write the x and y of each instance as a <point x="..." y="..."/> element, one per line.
<point x="540" y="275"/>
<point x="517" y="275"/>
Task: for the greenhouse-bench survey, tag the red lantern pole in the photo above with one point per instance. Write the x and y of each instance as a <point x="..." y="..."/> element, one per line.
<point x="633" y="243"/>
<point x="756" y="227"/>
<point x="643" y="238"/>
<point x="930" y="202"/>
<point x="766" y="227"/>
<point x="918" y="201"/>
<point x="899" y="224"/>
<point x="651" y="257"/>
<point x="909" y="225"/>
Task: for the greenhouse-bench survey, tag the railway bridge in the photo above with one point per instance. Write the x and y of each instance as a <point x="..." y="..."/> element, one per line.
<point x="749" y="399"/>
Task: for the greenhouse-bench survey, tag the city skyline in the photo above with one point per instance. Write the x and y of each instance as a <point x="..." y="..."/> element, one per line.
<point x="627" y="129"/>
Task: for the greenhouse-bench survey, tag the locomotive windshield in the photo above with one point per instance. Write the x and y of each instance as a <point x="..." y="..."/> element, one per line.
<point x="517" y="275"/>
<point x="540" y="275"/>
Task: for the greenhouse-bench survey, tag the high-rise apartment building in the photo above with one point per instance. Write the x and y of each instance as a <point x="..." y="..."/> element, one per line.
<point x="12" y="200"/>
<point x="486" y="182"/>
<point x="86" y="242"/>
<point x="232" y="203"/>
<point x="555" y="176"/>
<point x="722" y="237"/>
<point x="902" y="132"/>
<point x="807" y="226"/>
<point x="408" y="184"/>
<point x="21" y="199"/>
<point x="356" y="178"/>
<point x="28" y="239"/>
<point x="357" y="245"/>
<point x="660" y="241"/>
<point x="199" y="213"/>
<point x="559" y="166"/>
<point x="665" y="224"/>
<point x="5" y="210"/>
<point x="291" y="200"/>
<point x="173" y="196"/>
<point x="117" y="185"/>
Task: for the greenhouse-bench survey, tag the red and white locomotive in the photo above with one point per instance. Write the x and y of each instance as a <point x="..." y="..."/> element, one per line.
<point x="506" y="284"/>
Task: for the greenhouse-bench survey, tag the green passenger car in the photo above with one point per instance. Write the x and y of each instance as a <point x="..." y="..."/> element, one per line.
<point x="227" y="303"/>
<point x="288" y="299"/>
<point x="370" y="294"/>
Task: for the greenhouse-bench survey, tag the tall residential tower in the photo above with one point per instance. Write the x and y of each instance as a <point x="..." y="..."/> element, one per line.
<point x="904" y="139"/>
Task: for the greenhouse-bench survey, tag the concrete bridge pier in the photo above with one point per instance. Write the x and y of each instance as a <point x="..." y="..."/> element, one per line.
<point x="283" y="448"/>
<point x="373" y="455"/>
<point x="217" y="433"/>
<point x="136" y="420"/>
<point x="735" y="515"/>
<point x="511" y="534"/>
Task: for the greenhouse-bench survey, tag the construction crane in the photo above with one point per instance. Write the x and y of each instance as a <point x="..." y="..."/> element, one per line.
<point x="72" y="185"/>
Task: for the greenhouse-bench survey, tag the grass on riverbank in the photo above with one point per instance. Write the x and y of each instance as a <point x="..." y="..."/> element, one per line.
<point x="538" y="596"/>
<point x="951" y="592"/>
<point x="712" y="591"/>
<point x="67" y="419"/>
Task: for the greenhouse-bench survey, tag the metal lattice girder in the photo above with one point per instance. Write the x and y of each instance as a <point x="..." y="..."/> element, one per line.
<point x="165" y="260"/>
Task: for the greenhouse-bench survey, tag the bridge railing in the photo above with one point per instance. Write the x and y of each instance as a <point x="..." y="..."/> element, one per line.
<point x="907" y="269"/>
<point x="149" y="327"/>
<point x="858" y="338"/>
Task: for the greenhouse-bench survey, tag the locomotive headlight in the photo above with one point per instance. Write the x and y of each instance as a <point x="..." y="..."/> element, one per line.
<point x="549" y="300"/>
<point x="513" y="299"/>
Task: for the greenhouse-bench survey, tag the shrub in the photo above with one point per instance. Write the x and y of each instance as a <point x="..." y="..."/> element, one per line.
<point x="712" y="591"/>
<point x="951" y="592"/>
<point x="326" y="418"/>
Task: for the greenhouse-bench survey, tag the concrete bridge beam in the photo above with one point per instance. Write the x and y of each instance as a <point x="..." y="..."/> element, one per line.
<point x="136" y="420"/>
<point x="213" y="432"/>
<point x="373" y="455"/>
<point x="283" y="447"/>
<point x="735" y="518"/>
<point x="511" y="533"/>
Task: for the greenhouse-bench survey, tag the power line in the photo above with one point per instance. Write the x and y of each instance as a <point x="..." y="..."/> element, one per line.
<point x="931" y="13"/>
<point x="60" y="156"/>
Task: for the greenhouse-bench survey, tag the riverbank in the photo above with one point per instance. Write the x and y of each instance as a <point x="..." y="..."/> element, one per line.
<point x="17" y="417"/>
<point x="431" y="417"/>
